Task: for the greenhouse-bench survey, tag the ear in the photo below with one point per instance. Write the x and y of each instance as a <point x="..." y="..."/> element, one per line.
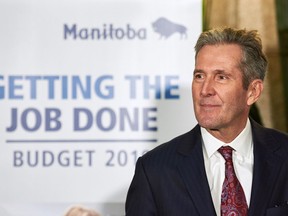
<point x="254" y="91"/>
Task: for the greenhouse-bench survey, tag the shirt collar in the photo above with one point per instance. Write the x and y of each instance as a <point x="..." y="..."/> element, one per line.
<point x="242" y="143"/>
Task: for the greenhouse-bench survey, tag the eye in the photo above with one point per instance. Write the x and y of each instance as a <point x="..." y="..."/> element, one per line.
<point x="222" y="77"/>
<point x="198" y="76"/>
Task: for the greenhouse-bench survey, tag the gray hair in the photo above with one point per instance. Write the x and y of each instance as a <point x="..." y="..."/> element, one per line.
<point x="253" y="63"/>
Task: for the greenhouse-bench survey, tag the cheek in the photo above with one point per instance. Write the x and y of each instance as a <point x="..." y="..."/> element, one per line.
<point x="235" y="99"/>
<point x="195" y="90"/>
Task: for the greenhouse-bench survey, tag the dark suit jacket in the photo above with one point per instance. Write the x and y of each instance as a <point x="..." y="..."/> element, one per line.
<point x="170" y="180"/>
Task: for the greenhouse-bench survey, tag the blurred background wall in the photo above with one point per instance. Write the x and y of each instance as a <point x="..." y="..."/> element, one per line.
<point x="270" y="18"/>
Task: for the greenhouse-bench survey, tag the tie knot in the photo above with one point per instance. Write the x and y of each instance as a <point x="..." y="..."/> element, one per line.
<point x="226" y="152"/>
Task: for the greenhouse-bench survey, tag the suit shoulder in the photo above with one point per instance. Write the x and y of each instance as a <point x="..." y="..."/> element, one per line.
<point x="170" y="148"/>
<point x="271" y="137"/>
<point x="167" y="146"/>
<point x="281" y="138"/>
<point x="276" y="134"/>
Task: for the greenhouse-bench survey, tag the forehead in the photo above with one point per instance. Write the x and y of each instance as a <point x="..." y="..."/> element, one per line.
<point x="223" y="57"/>
<point x="220" y="53"/>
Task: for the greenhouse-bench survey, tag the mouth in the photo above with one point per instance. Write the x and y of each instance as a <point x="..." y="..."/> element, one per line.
<point x="208" y="106"/>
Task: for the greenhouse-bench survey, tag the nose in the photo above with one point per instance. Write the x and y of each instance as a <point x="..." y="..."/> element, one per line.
<point x="207" y="88"/>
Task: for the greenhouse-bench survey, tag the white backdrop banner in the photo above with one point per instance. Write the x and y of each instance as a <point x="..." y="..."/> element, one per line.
<point x="86" y="87"/>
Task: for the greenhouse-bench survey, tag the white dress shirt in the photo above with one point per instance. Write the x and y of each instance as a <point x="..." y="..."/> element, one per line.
<point x="215" y="163"/>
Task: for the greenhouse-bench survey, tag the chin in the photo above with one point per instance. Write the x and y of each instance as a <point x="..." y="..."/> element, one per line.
<point x="209" y="127"/>
<point x="208" y="124"/>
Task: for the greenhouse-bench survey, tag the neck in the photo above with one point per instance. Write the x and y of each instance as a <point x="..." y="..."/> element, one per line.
<point x="227" y="135"/>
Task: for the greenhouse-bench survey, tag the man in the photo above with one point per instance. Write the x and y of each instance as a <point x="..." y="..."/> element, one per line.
<point x="190" y="175"/>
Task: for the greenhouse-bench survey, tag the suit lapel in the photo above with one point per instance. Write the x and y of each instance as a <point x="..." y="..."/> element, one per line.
<point x="191" y="168"/>
<point x="267" y="165"/>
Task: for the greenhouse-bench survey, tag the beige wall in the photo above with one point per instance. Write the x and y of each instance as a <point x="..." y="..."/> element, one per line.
<point x="260" y="15"/>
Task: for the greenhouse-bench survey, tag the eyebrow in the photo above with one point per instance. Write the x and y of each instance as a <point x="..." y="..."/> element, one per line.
<point x="197" y="71"/>
<point x="217" y="71"/>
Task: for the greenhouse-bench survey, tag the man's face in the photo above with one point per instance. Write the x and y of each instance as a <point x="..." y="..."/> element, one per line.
<point x="220" y="101"/>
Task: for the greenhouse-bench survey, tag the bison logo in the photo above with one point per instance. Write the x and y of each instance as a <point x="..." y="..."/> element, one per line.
<point x="166" y="28"/>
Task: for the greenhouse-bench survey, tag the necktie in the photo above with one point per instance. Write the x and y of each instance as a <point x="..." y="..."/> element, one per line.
<point x="233" y="201"/>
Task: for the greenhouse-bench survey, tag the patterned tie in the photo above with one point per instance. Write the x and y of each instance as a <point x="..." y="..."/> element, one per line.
<point x="233" y="202"/>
